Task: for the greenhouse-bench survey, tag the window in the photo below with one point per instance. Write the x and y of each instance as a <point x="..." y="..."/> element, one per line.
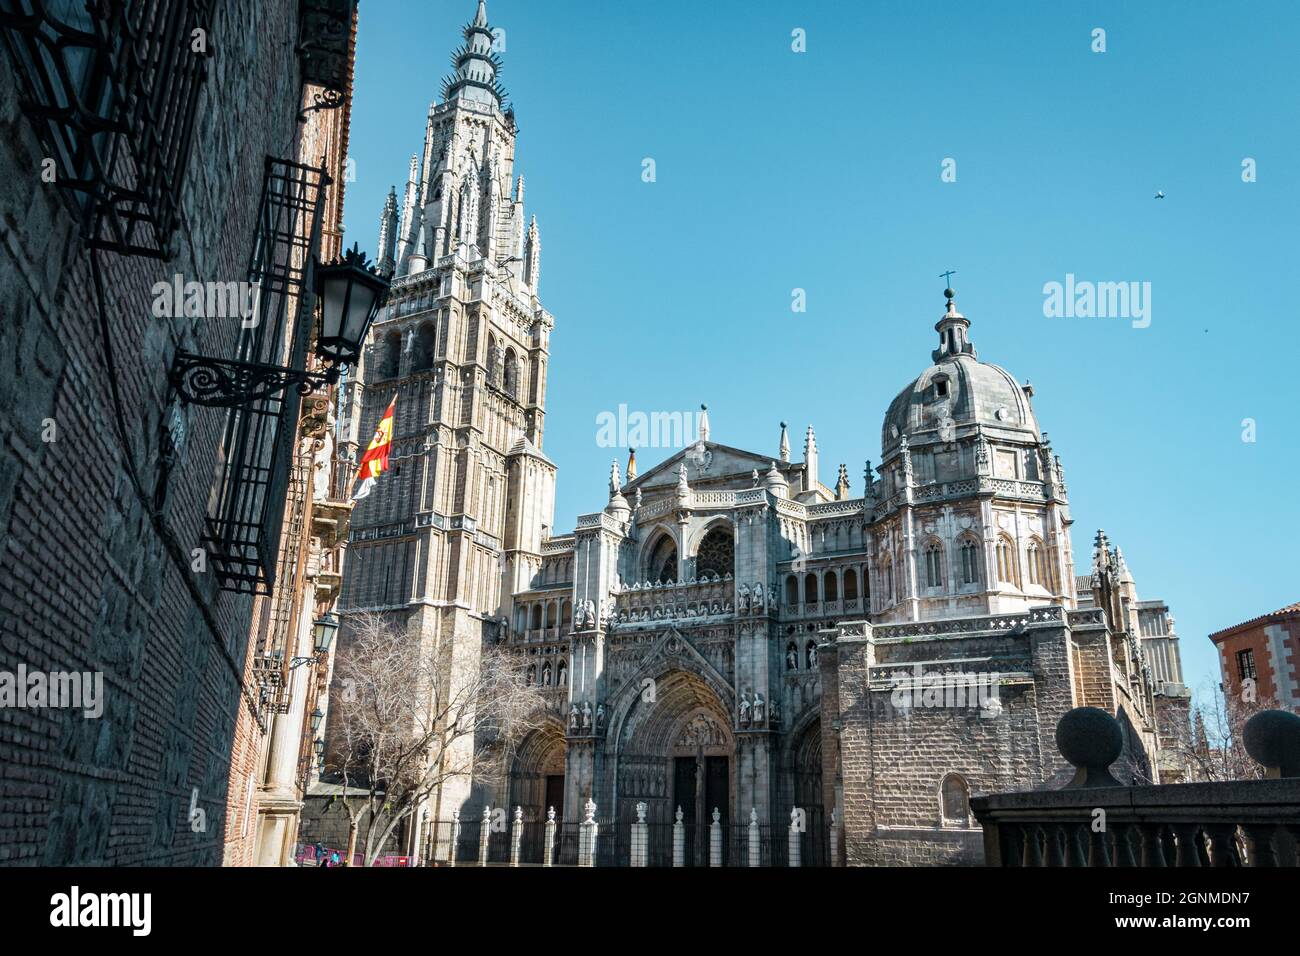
<point x="792" y="590"/>
<point x="392" y="355"/>
<point x="1006" y="560"/>
<point x="887" y="580"/>
<point x="537" y="617"/>
<point x="970" y="561"/>
<point x="831" y="586"/>
<point x="662" y="566"/>
<point x="1035" y="562"/>
<point x="850" y="585"/>
<point x="493" y="362"/>
<point x="717" y="554"/>
<point x="423" y="359"/>
<point x="941" y="387"/>
<point x="810" y="589"/>
<point x="1246" y="664"/>
<point x="510" y="374"/>
<point x="934" y="565"/>
<point x="954" y="801"/>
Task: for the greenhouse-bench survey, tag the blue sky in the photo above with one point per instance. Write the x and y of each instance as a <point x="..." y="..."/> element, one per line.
<point x="821" y="171"/>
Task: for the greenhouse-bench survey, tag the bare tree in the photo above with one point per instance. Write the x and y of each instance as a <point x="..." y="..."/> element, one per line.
<point x="410" y="719"/>
<point x="1215" y="751"/>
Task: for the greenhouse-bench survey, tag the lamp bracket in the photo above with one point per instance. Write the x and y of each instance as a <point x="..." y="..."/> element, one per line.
<point x="227" y="383"/>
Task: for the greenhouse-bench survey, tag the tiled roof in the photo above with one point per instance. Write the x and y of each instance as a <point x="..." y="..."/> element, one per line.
<point x="1280" y="612"/>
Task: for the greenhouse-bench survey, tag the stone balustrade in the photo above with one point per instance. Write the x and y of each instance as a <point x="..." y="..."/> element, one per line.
<point x="1095" y="821"/>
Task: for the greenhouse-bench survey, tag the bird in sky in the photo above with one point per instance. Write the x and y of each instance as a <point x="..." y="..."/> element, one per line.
<point x="1160" y="194"/>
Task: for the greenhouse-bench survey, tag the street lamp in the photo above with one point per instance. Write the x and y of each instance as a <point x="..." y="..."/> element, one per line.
<point x="324" y="629"/>
<point x="316" y="718"/>
<point x="319" y="746"/>
<point x="351" y="293"/>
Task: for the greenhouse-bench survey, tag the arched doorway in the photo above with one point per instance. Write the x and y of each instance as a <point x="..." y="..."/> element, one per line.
<point x="806" y="775"/>
<point x="677" y="752"/>
<point x="537" y="784"/>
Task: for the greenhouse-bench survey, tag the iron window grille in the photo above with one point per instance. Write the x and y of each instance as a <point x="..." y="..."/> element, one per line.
<point x="111" y="87"/>
<point x="246" y="510"/>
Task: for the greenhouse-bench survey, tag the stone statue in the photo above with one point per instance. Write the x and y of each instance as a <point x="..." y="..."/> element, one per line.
<point x="573" y="716"/>
<point x="744" y="708"/>
<point x="550" y="815"/>
<point x="754" y="477"/>
<point x="774" y="712"/>
<point x="586" y="715"/>
<point x="588" y="614"/>
<point x="600" y="717"/>
<point x="679" y="814"/>
<point x="791" y="660"/>
<point x="744" y="598"/>
<point x="812" y="657"/>
<point x="758" y="707"/>
<point x="758" y="599"/>
<point x="640" y="811"/>
<point x="717" y="815"/>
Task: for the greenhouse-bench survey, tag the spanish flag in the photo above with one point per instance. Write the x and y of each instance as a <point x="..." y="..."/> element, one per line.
<point x="375" y="461"/>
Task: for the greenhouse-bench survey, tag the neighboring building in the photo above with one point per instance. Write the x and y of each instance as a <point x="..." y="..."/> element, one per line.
<point x="1265" y="650"/>
<point x="135" y="527"/>
<point x="274" y="761"/>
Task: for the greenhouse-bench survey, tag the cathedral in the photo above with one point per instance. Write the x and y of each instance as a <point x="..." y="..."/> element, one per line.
<point x="726" y="636"/>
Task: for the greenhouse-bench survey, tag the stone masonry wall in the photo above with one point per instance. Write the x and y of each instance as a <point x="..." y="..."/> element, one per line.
<point x="86" y="582"/>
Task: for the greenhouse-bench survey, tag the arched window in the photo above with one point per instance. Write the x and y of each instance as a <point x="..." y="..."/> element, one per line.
<point x="392" y="362"/>
<point x="1035" y="563"/>
<point x="954" y="801"/>
<point x="1006" y="560"/>
<point x="717" y="554"/>
<point x="810" y="589"/>
<point x="850" y="585"/>
<point x="562" y="674"/>
<point x="493" y="363"/>
<point x="510" y="374"/>
<point x="970" y="561"/>
<point x="831" y="586"/>
<point x="537" y="617"/>
<point x="791" y="590"/>
<point x="933" y="564"/>
<point x="792" y="656"/>
<point x="887" y="579"/>
<point x="423" y="358"/>
<point x="566" y="615"/>
<point x="662" y="567"/>
<point x="550" y="614"/>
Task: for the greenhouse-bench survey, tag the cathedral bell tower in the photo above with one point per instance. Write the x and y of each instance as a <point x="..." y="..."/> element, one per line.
<point x="457" y="523"/>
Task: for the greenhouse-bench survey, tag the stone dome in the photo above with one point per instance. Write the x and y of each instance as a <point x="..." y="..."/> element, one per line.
<point x="957" y="393"/>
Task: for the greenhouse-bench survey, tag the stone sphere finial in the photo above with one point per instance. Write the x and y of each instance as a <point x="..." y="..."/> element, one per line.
<point x="1272" y="738"/>
<point x="1091" y="740"/>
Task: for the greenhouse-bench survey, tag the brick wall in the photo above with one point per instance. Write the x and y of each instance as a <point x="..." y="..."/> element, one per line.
<point x="87" y="579"/>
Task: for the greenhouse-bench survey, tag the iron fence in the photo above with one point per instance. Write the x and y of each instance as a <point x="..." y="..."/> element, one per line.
<point x="624" y="843"/>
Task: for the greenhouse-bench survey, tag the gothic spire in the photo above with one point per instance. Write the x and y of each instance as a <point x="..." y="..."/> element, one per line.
<point x="476" y="64"/>
<point x="785" y="444"/>
<point x="387" y="263"/>
<point x="810" y="459"/>
<point x="704" y="422"/>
